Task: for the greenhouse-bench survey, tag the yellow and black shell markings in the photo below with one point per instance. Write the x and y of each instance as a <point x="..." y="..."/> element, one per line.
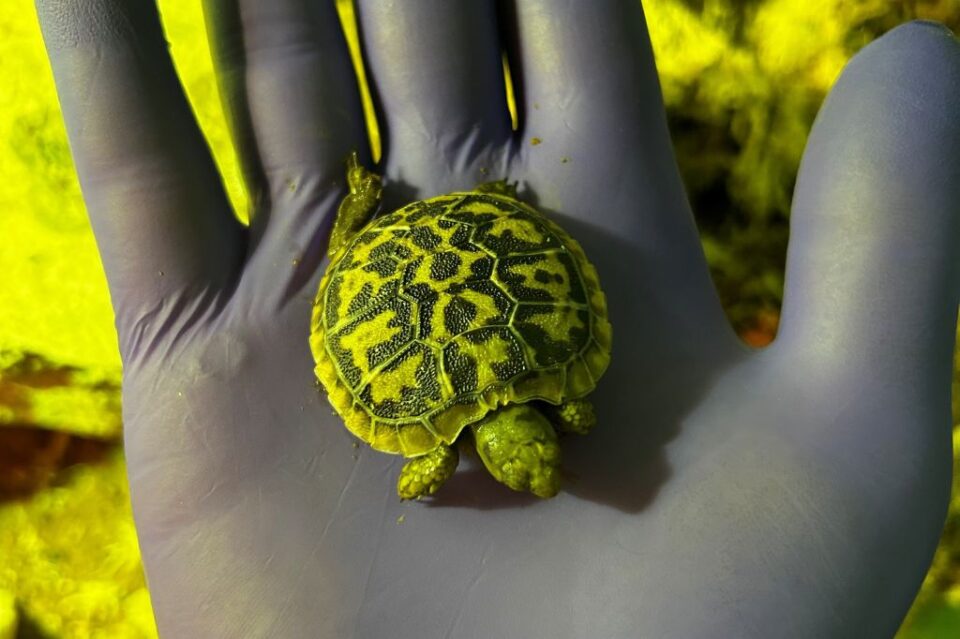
<point x="449" y="307"/>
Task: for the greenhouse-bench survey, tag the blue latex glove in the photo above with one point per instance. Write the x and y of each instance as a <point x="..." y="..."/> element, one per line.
<point x="796" y="491"/>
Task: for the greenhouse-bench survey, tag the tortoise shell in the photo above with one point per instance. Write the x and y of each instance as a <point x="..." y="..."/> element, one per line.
<point x="436" y="314"/>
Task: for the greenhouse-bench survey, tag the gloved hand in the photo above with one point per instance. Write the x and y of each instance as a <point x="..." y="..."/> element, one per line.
<point x="795" y="491"/>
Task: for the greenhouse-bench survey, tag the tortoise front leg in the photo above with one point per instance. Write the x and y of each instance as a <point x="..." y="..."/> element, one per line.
<point x="425" y="474"/>
<point x="574" y="416"/>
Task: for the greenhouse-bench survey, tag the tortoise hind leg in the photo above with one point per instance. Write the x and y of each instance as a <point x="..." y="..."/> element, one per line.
<point x="425" y="474"/>
<point x="358" y="207"/>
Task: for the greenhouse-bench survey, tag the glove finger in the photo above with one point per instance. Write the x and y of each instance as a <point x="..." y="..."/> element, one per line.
<point x="596" y="150"/>
<point x="156" y="203"/>
<point x="293" y="107"/>
<point x="436" y="75"/>
<point x="872" y="269"/>
<point x="591" y="113"/>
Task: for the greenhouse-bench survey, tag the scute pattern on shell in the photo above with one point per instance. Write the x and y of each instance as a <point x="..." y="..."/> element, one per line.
<point x="450" y="307"/>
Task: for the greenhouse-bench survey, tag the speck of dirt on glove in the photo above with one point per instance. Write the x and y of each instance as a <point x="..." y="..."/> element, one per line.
<point x="564" y="160"/>
<point x="535" y="141"/>
<point x="401" y="518"/>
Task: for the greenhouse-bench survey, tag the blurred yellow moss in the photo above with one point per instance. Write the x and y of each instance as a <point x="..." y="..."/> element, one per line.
<point x="70" y="554"/>
<point x="793" y="39"/>
<point x="37" y="392"/>
<point x="8" y="615"/>
<point x="54" y="297"/>
<point x="685" y="45"/>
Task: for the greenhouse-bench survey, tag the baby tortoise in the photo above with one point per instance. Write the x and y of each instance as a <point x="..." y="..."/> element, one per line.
<point x="467" y="309"/>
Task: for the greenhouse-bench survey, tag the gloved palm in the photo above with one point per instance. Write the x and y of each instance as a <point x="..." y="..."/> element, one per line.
<point x="793" y="491"/>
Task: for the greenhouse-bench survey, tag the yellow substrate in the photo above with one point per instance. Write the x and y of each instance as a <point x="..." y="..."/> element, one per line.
<point x="70" y="557"/>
